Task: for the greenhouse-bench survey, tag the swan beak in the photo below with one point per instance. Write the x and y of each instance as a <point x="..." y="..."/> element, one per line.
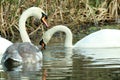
<point x="42" y="44"/>
<point x="44" y="21"/>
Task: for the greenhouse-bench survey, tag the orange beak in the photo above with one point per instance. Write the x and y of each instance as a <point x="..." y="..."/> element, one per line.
<point x="43" y="46"/>
<point x="44" y="21"/>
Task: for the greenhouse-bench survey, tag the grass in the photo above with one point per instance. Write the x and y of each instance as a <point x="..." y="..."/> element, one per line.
<point x="78" y="13"/>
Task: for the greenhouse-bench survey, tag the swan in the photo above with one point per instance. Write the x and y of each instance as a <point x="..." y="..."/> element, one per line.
<point x="19" y="53"/>
<point x="24" y="52"/>
<point x="100" y="39"/>
<point x="4" y="44"/>
<point x="33" y="11"/>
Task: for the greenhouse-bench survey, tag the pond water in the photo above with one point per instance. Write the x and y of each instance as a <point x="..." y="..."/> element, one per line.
<point x="61" y="63"/>
<point x="82" y="64"/>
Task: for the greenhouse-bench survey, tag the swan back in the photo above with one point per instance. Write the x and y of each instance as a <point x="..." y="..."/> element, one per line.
<point x="22" y="53"/>
<point x="100" y="39"/>
<point x="49" y="33"/>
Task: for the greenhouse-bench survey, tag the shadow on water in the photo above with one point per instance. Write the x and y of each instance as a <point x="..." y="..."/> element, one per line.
<point x="101" y="57"/>
<point x="58" y="63"/>
<point x="82" y="64"/>
<point x="26" y="71"/>
<point x="67" y="64"/>
<point x="96" y="64"/>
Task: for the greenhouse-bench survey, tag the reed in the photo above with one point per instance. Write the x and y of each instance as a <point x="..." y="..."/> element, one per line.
<point x="68" y="12"/>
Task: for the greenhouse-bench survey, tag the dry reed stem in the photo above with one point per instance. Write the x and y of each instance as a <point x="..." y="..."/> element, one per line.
<point x="69" y="12"/>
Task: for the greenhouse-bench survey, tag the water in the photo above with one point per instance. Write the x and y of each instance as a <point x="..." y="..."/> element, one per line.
<point x="61" y="63"/>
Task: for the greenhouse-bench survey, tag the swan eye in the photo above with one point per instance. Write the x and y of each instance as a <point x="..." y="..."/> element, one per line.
<point x="44" y="15"/>
<point x="41" y="41"/>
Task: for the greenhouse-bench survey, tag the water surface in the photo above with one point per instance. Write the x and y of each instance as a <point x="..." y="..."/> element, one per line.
<point x="67" y="64"/>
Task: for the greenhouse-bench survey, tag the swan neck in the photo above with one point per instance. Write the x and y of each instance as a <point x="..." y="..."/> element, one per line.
<point x="22" y="29"/>
<point x="33" y="11"/>
<point x="68" y="39"/>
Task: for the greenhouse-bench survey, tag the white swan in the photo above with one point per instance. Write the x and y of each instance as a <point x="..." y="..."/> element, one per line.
<point x="4" y="44"/>
<point x="99" y="39"/>
<point x="33" y="11"/>
<point x="19" y="53"/>
<point x="15" y="51"/>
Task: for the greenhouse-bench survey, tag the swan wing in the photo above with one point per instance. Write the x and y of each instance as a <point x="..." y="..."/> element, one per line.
<point x="102" y="38"/>
<point x="14" y="55"/>
<point x="4" y="44"/>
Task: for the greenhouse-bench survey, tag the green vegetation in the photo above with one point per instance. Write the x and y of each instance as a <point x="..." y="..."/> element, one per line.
<point x="78" y="13"/>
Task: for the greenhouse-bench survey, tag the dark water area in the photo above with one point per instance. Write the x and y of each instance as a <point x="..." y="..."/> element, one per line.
<point x="70" y="64"/>
<point x="82" y="64"/>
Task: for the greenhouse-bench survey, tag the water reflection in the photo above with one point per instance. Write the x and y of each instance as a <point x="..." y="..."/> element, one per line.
<point x="22" y="72"/>
<point x="23" y="67"/>
<point x="27" y="71"/>
<point x="101" y="57"/>
<point x="82" y="64"/>
<point x="96" y="64"/>
<point x="22" y="75"/>
<point x="67" y="64"/>
<point x="85" y="72"/>
<point x="58" y="63"/>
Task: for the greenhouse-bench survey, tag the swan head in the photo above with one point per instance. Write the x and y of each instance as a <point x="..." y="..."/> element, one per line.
<point x="43" y="42"/>
<point x="37" y="12"/>
<point x="45" y="39"/>
<point x="49" y="33"/>
<point x="43" y="15"/>
<point x="43" y="19"/>
<point x="43" y="45"/>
